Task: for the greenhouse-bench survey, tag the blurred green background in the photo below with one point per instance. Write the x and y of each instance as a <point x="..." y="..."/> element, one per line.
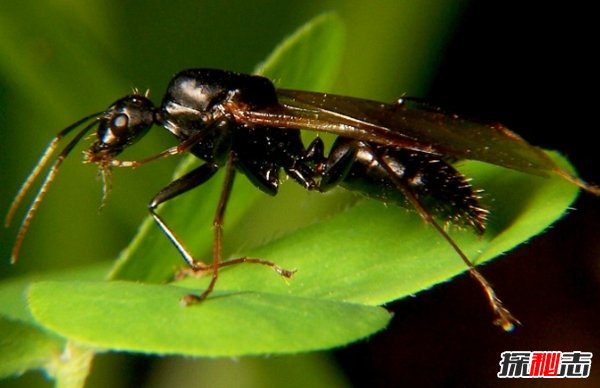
<point x="63" y="59"/>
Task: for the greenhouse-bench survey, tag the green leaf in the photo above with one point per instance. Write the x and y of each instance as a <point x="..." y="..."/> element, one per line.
<point x="24" y="346"/>
<point x="122" y="316"/>
<point x="13" y="304"/>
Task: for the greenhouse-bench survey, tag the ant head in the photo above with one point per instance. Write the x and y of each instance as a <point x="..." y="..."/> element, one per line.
<point x="122" y="124"/>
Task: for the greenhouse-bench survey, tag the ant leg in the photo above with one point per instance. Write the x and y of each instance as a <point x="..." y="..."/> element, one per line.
<point x="187" y="182"/>
<point x="503" y="318"/>
<point x="341" y="158"/>
<point x="590" y="188"/>
<point x="218" y="231"/>
<point x="321" y="173"/>
<point x="180" y="148"/>
<point x="218" y="239"/>
<point x="316" y="172"/>
<point x="310" y="165"/>
<point x="315" y="152"/>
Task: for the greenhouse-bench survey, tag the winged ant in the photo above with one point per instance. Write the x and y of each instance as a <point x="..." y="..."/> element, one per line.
<point x="400" y="152"/>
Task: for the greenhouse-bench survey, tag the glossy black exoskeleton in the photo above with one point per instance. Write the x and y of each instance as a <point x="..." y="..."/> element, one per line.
<point x="399" y="152"/>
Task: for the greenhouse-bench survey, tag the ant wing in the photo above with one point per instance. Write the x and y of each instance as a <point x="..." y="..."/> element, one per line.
<point x="407" y="124"/>
<point x="430" y="129"/>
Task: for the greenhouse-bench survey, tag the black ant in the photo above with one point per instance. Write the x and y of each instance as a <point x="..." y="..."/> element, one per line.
<point x="400" y="152"/>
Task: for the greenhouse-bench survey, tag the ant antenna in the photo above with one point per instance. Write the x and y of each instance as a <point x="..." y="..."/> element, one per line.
<point x="47" y="181"/>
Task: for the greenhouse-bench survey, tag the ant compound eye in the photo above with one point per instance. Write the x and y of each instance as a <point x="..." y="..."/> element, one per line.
<point x="113" y="131"/>
<point x="119" y="123"/>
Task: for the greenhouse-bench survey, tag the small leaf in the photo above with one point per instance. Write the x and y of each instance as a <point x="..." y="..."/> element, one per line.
<point x="24" y="347"/>
<point x="225" y="325"/>
<point x="13" y="304"/>
<point x="24" y="344"/>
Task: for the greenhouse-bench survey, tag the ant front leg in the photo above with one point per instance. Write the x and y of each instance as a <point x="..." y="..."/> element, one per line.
<point x="182" y="147"/>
